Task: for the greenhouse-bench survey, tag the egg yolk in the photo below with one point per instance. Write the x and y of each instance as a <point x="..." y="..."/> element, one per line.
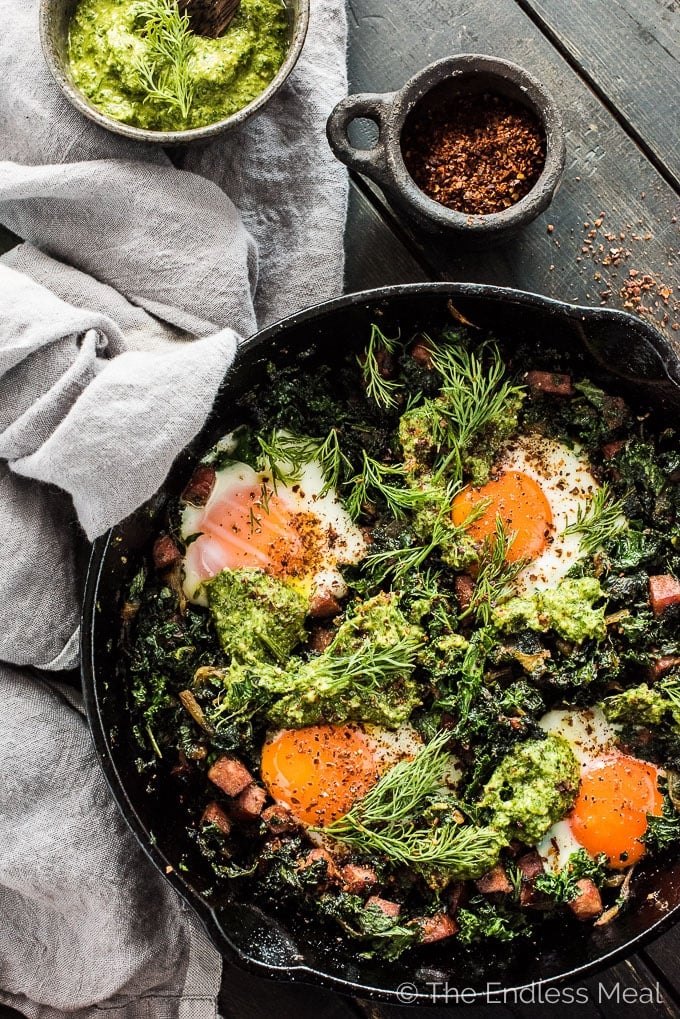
<point x="521" y="504"/>
<point x="610" y="814"/>
<point x="319" y="771"/>
<point x="255" y="529"/>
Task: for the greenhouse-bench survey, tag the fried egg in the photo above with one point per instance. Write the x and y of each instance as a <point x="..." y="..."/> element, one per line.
<point x="617" y="792"/>
<point x="537" y="487"/>
<point x="321" y="770"/>
<point x="292" y="531"/>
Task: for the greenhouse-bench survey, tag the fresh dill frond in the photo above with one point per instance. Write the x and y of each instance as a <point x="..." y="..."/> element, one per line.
<point x="495" y="574"/>
<point x="286" y="456"/>
<point x="385" y="819"/>
<point x="374" y="479"/>
<point x="367" y="665"/>
<point x="395" y="564"/>
<point x="164" y="69"/>
<point x="601" y="521"/>
<point x="473" y="393"/>
<point x="382" y="390"/>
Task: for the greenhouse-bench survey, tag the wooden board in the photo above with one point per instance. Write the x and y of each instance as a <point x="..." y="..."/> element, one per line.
<point x="629" y="50"/>
<point x="606" y="171"/>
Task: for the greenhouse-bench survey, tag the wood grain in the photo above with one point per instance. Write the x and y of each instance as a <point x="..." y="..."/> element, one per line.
<point x="606" y="171"/>
<point x="630" y="51"/>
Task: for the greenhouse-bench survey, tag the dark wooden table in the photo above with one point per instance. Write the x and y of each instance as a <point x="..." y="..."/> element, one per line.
<point x="614" y="67"/>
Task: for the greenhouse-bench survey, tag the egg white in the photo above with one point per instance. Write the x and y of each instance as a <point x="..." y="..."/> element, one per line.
<point x="342" y="541"/>
<point x="563" y="475"/>
<point x="590" y="736"/>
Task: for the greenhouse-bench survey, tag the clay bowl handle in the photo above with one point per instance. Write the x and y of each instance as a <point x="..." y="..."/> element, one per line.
<point x="369" y="106"/>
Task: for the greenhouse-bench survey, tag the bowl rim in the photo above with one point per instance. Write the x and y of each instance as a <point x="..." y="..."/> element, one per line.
<point x="80" y="102"/>
<point x="208" y="915"/>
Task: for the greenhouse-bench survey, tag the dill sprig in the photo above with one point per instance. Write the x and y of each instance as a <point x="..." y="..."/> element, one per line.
<point x="474" y="393"/>
<point x="375" y="479"/>
<point x="601" y="521"/>
<point x="164" y="68"/>
<point x="385" y="819"/>
<point x="286" y="456"/>
<point x="382" y="390"/>
<point x="495" y="574"/>
<point x="395" y="564"/>
<point x="364" y="667"/>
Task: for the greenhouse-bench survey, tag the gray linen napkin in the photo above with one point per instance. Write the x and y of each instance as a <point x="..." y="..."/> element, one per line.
<point x="119" y="317"/>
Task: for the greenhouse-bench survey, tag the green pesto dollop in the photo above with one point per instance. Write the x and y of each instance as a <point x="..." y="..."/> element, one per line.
<point x="568" y="609"/>
<point x="256" y="617"/>
<point x="640" y="705"/>
<point x="319" y="691"/>
<point x="534" y="785"/>
<point x="107" y="44"/>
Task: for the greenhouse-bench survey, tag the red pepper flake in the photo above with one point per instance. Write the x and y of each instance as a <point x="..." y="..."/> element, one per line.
<point x="478" y="154"/>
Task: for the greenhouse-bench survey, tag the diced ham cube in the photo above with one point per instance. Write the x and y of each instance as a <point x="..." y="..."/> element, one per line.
<point x="248" y="804"/>
<point x="314" y="856"/>
<point x="553" y="383"/>
<point x="201" y="484"/>
<point x="165" y="553"/>
<point x="357" y="879"/>
<point x="531" y="865"/>
<point x="495" y="882"/>
<point x="279" y="819"/>
<point x="384" y="905"/>
<point x="324" y="606"/>
<point x="457" y="897"/>
<point x="664" y="590"/>
<point x="213" y="814"/>
<point x="230" y="775"/>
<point x="437" y="927"/>
<point x="464" y="586"/>
<point x="588" y="903"/>
<point x="421" y="352"/>
<point x="610" y="449"/>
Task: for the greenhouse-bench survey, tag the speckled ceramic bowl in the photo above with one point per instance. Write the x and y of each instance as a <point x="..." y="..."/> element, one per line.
<point x="55" y="17"/>
<point x="465" y="74"/>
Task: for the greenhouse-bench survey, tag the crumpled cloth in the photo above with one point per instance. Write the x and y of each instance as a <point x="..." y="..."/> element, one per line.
<point x="119" y="316"/>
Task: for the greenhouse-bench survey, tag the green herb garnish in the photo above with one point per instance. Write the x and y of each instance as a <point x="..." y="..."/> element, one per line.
<point x="385" y="820"/>
<point x="600" y="522"/>
<point x="382" y="390"/>
<point x="164" y="69"/>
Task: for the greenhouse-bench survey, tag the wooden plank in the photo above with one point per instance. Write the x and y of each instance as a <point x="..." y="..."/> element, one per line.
<point x="372" y="1010"/>
<point x="606" y="171"/>
<point x="662" y="956"/>
<point x="630" y="51"/>
<point x="376" y="257"/>
<point x="632" y="988"/>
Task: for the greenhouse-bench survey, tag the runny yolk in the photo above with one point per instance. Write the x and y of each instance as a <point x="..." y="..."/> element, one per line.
<point x="246" y="530"/>
<point x="318" y="771"/>
<point x="610" y="814"/>
<point x="522" y="506"/>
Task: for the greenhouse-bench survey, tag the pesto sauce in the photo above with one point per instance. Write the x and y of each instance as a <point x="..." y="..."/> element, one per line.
<point x="106" y="42"/>
<point x="533" y="786"/>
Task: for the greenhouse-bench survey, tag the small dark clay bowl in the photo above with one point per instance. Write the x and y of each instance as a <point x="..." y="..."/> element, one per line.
<point x="468" y="73"/>
<point x="55" y="18"/>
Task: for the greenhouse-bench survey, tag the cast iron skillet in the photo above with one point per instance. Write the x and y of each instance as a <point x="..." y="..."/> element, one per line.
<point x="611" y="346"/>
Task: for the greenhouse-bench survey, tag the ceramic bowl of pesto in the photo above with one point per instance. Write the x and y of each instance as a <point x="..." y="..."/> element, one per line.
<point x="136" y="68"/>
<point x="611" y="347"/>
